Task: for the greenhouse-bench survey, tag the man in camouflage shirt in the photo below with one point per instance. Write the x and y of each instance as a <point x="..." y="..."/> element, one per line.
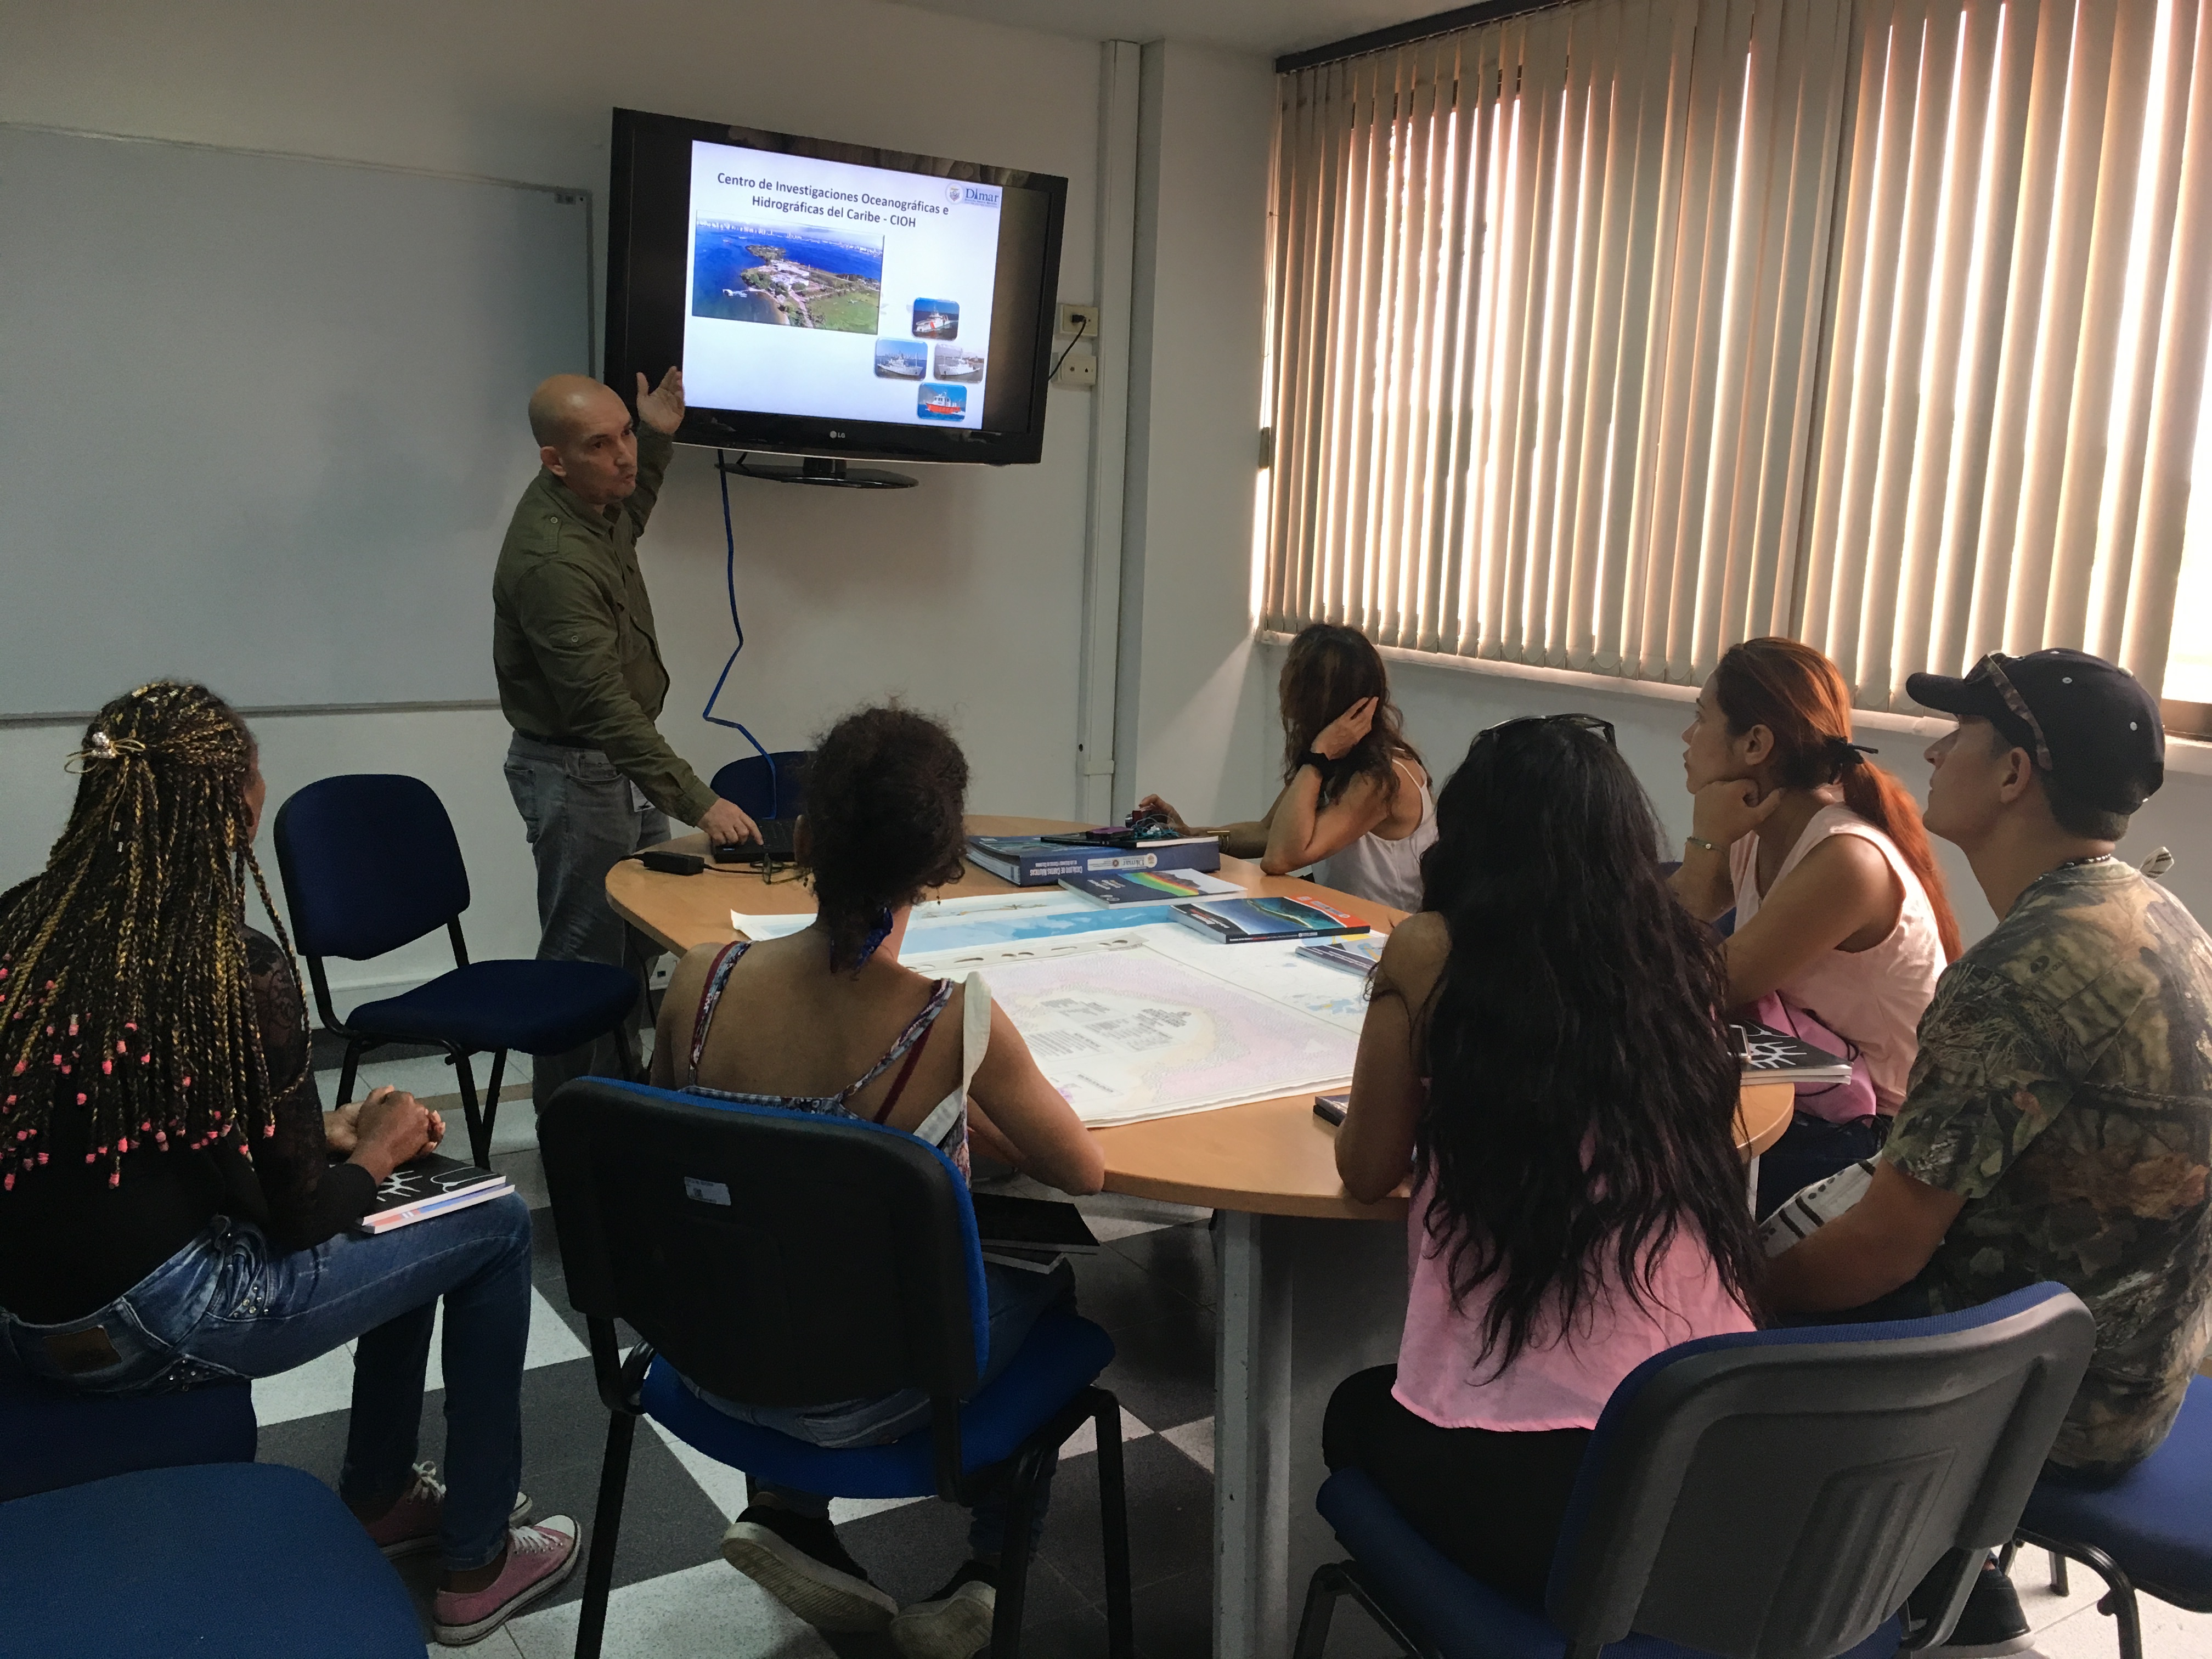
<point x="2057" y="1124"/>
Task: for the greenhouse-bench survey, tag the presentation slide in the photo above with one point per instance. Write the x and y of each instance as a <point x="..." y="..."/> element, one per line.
<point x="841" y="292"/>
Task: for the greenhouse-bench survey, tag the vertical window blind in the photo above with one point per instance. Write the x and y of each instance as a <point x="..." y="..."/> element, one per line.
<point x="1610" y="334"/>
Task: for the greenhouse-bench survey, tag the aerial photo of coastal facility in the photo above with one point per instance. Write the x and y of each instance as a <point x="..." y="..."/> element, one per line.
<point x="794" y="275"/>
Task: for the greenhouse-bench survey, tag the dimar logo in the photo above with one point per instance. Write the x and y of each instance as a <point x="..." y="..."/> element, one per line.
<point x="952" y="193"/>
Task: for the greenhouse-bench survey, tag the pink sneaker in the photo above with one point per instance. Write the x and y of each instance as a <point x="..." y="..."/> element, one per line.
<point x="537" y="1560"/>
<point x="410" y="1526"/>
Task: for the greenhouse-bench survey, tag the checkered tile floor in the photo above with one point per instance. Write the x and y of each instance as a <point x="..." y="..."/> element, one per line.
<point x="1152" y="1287"/>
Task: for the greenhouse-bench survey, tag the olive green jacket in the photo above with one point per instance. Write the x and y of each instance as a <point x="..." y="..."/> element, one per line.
<point x="572" y="637"/>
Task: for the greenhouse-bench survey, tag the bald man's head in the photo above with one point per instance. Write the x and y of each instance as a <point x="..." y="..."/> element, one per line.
<point x="585" y="438"/>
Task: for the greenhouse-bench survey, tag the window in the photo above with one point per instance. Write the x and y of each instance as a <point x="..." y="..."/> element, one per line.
<point x="1610" y="334"/>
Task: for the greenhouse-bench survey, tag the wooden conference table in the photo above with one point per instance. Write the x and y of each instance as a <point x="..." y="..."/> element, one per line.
<point x="1305" y="1300"/>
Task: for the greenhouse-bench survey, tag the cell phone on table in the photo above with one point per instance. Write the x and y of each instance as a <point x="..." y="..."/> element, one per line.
<point x="1329" y="1109"/>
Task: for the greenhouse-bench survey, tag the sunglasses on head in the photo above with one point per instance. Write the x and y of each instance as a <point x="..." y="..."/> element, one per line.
<point x="1580" y="722"/>
<point x="1992" y="667"/>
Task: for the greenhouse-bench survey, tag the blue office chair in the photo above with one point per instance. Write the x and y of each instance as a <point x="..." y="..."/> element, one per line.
<point x="782" y="1258"/>
<point x="51" y="1438"/>
<point x="247" y="1560"/>
<point x="2150" y="1530"/>
<point x="766" y="786"/>
<point x="370" y="863"/>
<point x="1773" y="1495"/>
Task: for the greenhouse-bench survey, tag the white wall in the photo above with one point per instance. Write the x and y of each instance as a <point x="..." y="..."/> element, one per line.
<point x="1445" y="707"/>
<point x="962" y="595"/>
<point x="1194" y="697"/>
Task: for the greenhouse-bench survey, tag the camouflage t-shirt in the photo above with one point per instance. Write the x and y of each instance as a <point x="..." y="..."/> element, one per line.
<point x="2063" y="1089"/>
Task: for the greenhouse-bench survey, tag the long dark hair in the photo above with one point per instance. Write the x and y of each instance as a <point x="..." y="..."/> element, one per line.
<point x="1582" y="1095"/>
<point x="126" y="999"/>
<point x="1328" y="669"/>
<point x="1798" y="695"/>
<point x="885" y="795"/>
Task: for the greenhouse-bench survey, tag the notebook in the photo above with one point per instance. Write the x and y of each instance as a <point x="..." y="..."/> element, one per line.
<point x="431" y="1185"/>
<point x="1770" y="1056"/>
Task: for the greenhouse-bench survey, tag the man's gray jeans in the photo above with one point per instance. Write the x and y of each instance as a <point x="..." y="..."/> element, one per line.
<point x="583" y="817"/>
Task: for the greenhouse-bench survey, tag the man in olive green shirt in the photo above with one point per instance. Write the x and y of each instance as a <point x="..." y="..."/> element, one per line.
<point x="580" y="678"/>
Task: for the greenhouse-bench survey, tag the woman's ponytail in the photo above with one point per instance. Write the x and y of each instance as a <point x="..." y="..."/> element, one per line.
<point x="1797" y="694"/>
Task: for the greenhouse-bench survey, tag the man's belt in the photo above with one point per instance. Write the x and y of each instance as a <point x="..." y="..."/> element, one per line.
<point x="555" y="743"/>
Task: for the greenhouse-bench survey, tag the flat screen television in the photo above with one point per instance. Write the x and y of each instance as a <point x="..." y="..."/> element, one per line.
<point x="830" y="299"/>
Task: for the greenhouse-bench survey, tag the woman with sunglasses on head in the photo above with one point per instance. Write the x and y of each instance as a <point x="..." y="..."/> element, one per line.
<point x="1842" y="924"/>
<point x="1540" y="1053"/>
<point x="1355" y="798"/>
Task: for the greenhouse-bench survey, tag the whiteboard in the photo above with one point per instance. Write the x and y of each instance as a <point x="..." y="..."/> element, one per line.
<point x="261" y="417"/>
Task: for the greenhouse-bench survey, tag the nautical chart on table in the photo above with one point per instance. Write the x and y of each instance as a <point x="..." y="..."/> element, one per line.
<point x="1127" y="1029"/>
<point x="1131" y="1015"/>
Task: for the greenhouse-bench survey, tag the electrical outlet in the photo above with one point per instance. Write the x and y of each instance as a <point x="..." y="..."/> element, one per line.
<point x="1078" y="368"/>
<point x="1079" y="319"/>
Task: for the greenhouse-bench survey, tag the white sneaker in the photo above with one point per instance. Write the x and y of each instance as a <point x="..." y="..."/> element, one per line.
<point x="798" y="1561"/>
<point x="953" y="1625"/>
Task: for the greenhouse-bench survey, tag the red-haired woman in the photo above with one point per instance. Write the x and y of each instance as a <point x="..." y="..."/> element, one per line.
<point x="1840" y="911"/>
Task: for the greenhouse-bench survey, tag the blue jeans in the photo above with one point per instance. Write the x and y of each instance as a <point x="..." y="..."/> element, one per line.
<point x="582" y="819"/>
<point x="1812" y="1149"/>
<point x="231" y="1305"/>
<point x="1018" y="1299"/>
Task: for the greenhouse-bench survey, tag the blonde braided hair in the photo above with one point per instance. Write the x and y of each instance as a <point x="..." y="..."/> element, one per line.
<point x="124" y="994"/>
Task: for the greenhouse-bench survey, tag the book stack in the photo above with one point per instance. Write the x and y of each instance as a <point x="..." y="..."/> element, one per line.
<point x="1040" y="860"/>
<point x="430" y="1185"/>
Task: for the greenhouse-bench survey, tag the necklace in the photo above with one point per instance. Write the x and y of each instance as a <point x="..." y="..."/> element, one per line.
<point x="2076" y="864"/>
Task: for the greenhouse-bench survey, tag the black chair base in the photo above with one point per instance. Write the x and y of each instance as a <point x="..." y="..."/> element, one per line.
<point x="2118" y="1602"/>
<point x="1333" y="1580"/>
<point x="1037" y="1456"/>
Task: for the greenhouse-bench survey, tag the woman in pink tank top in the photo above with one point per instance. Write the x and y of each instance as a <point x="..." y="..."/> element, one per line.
<point x="1541" y="1054"/>
<point x="1842" y="924"/>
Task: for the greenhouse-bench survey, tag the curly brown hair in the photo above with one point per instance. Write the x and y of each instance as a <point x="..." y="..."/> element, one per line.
<point x="886" y="800"/>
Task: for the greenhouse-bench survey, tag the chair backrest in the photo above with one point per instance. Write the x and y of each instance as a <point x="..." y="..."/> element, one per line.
<point x="763" y="790"/>
<point x="774" y="1257"/>
<point x="1778" y="1494"/>
<point x="369" y="863"/>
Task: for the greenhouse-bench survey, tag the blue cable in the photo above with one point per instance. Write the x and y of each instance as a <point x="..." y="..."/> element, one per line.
<point x="730" y="575"/>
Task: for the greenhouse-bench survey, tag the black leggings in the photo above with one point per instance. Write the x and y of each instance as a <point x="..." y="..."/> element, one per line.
<point x="1491" y="1502"/>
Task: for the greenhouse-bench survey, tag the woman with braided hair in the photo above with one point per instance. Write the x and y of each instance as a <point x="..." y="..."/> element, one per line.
<point x="171" y="1207"/>
<point x="1842" y="924"/>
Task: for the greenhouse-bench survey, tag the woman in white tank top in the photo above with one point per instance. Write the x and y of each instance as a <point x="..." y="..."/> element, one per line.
<point x="1840" y="913"/>
<point x="1356" y="798"/>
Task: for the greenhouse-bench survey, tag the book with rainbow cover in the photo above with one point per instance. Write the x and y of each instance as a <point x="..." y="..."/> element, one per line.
<point x="1149" y="886"/>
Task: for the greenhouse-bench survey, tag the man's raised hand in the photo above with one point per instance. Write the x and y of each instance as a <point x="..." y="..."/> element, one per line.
<point x="662" y="408"/>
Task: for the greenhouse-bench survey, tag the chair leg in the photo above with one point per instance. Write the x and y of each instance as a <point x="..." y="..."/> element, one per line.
<point x="606" y="1525"/>
<point x="1114" y="1526"/>
<point x="2058" y="1572"/>
<point x="479" y="1137"/>
<point x="626" y="1041"/>
<point x="1014" y="1558"/>
<point x="348" y="1071"/>
<point x="1322" y="1591"/>
<point x="491" y="1097"/>
<point x="2119" y="1600"/>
